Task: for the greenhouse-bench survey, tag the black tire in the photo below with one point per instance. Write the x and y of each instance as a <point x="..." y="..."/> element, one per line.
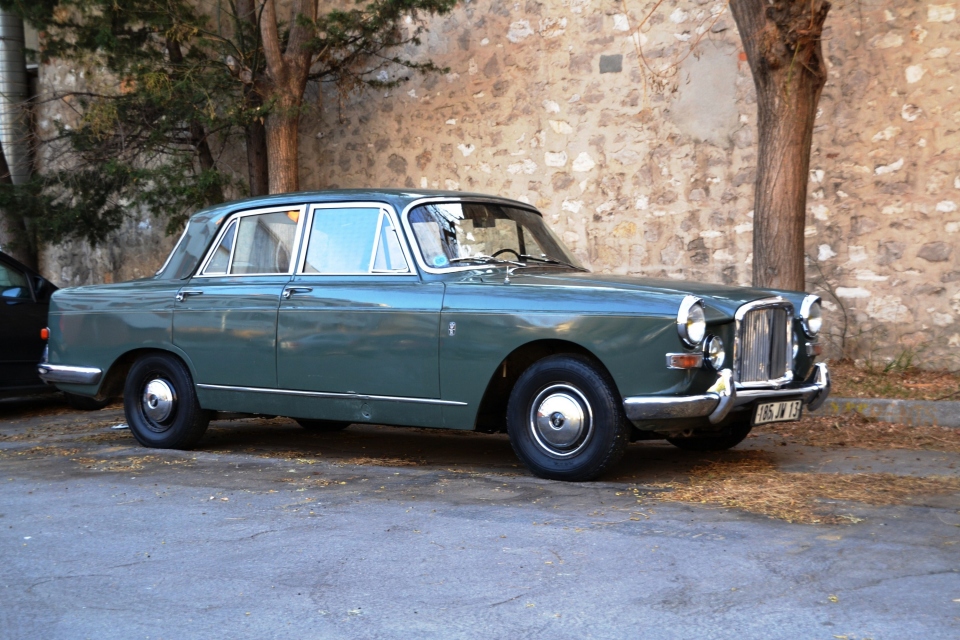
<point x="586" y="432"/>
<point x="85" y="403"/>
<point x="729" y="436"/>
<point x="322" y="426"/>
<point x="185" y="422"/>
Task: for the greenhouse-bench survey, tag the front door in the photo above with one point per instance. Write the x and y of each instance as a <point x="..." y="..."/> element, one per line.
<point x="225" y="318"/>
<point x="357" y="327"/>
<point x="21" y="318"/>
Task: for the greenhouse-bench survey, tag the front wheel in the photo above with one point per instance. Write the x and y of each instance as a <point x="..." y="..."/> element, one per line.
<point x="161" y="404"/>
<point x="565" y="419"/>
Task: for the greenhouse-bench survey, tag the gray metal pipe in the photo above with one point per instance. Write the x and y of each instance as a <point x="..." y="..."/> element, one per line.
<point x="14" y="91"/>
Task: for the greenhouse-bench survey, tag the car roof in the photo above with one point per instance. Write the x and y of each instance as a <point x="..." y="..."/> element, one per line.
<point x="204" y="224"/>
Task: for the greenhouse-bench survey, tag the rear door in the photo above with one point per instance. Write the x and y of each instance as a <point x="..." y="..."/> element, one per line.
<point x="225" y="318"/>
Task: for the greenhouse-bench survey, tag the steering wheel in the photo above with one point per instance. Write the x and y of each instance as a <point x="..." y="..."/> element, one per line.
<point x="496" y="253"/>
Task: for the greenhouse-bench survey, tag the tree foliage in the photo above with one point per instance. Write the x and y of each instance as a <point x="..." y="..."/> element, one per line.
<point x="168" y="90"/>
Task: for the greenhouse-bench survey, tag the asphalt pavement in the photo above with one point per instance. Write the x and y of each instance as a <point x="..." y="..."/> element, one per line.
<point x="266" y="531"/>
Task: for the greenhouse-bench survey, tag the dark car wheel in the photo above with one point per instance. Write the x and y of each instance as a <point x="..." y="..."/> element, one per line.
<point x="322" y="426"/>
<point x="728" y="437"/>
<point x="161" y="404"/>
<point x="565" y="419"/>
<point x="85" y="403"/>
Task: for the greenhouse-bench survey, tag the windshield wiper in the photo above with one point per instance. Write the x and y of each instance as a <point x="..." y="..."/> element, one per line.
<point x="482" y="259"/>
<point x="550" y="261"/>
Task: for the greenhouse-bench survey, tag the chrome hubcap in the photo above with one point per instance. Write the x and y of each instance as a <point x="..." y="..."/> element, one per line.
<point x="158" y="400"/>
<point x="561" y="420"/>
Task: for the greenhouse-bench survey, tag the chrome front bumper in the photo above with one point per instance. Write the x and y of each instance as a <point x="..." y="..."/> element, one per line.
<point x="723" y="396"/>
<point x="54" y="373"/>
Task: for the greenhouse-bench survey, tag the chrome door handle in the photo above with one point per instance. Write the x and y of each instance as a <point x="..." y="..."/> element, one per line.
<point x="187" y="293"/>
<point x="289" y="291"/>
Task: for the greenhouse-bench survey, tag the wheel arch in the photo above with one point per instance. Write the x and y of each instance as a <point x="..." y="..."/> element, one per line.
<point x="492" y="412"/>
<point x="114" y="380"/>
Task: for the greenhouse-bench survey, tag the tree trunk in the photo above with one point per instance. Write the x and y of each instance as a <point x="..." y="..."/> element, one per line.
<point x="782" y="41"/>
<point x="286" y="79"/>
<point x="257" y="164"/>
<point x="255" y="133"/>
<point x="282" y="127"/>
<point x="15" y="227"/>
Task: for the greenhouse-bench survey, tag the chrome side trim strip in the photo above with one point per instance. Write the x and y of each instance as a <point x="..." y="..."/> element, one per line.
<point x="52" y="373"/>
<point x="328" y="394"/>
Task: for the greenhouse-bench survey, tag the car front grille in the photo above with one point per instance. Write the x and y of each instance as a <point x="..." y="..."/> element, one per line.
<point x="764" y="345"/>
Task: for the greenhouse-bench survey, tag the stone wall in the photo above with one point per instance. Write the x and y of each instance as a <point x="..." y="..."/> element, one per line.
<point x="554" y="103"/>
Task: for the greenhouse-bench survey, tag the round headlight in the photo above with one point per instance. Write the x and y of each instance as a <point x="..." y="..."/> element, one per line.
<point x="691" y="322"/>
<point x="713" y="353"/>
<point x="811" y="316"/>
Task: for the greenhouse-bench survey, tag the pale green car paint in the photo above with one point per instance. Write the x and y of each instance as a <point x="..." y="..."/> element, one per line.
<point x="444" y="338"/>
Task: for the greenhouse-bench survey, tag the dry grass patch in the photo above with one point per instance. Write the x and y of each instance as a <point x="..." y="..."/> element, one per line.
<point x="907" y="383"/>
<point x="752" y="483"/>
<point x="378" y="462"/>
<point x="127" y="464"/>
<point x="859" y="432"/>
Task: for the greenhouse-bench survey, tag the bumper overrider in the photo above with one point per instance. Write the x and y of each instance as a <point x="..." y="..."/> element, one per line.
<point x="723" y="396"/>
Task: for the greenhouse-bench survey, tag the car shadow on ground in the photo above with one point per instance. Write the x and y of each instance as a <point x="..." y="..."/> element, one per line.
<point x="48" y="417"/>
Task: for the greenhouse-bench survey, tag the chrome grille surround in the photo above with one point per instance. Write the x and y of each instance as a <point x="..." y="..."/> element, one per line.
<point x="763" y="344"/>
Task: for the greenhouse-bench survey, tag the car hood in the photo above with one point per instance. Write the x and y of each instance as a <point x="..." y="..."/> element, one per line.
<point x="719" y="298"/>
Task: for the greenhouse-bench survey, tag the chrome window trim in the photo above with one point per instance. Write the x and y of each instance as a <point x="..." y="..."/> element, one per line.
<point x="775" y="301"/>
<point x="384" y="209"/>
<point x="805" y="314"/>
<point x="415" y="244"/>
<point x="330" y="394"/>
<point x="174" y="250"/>
<point x="236" y="217"/>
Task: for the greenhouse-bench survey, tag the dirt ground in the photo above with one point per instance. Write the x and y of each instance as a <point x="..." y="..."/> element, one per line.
<point x="782" y="514"/>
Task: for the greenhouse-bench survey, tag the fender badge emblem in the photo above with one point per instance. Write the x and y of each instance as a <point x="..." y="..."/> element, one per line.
<point x="452" y="328"/>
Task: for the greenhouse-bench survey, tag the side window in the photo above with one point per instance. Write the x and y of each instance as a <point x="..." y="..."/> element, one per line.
<point x="265" y="243"/>
<point x="13" y="284"/>
<point x="261" y="243"/>
<point x="353" y="241"/>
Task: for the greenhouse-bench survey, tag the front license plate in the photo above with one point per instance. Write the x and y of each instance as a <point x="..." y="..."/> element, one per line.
<point x="785" y="411"/>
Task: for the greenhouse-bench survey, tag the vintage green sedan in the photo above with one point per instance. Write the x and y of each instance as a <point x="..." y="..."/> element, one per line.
<point x="431" y="309"/>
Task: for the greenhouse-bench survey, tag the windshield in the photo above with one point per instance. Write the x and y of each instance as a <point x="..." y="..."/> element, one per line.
<point x="456" y="234"/>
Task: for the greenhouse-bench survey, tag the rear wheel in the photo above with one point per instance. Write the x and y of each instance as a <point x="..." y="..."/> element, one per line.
<point x="322" y="426"/>
<point x="565" y="419"/>
<point x="728" y="437"/>
<point x="161" y="405"/>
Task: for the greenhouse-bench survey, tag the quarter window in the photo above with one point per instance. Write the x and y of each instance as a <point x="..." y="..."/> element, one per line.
<point x="355" y="240"/>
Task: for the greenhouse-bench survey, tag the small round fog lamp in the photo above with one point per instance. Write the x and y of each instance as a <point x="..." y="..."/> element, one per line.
<point x="713" y="353"/>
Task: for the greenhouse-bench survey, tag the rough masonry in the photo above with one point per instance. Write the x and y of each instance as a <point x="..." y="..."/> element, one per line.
<point x="639" y="145"/>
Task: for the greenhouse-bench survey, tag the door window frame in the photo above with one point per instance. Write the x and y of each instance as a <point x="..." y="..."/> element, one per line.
<point x="385" y="209"/>
<point x="235" y="217"/>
